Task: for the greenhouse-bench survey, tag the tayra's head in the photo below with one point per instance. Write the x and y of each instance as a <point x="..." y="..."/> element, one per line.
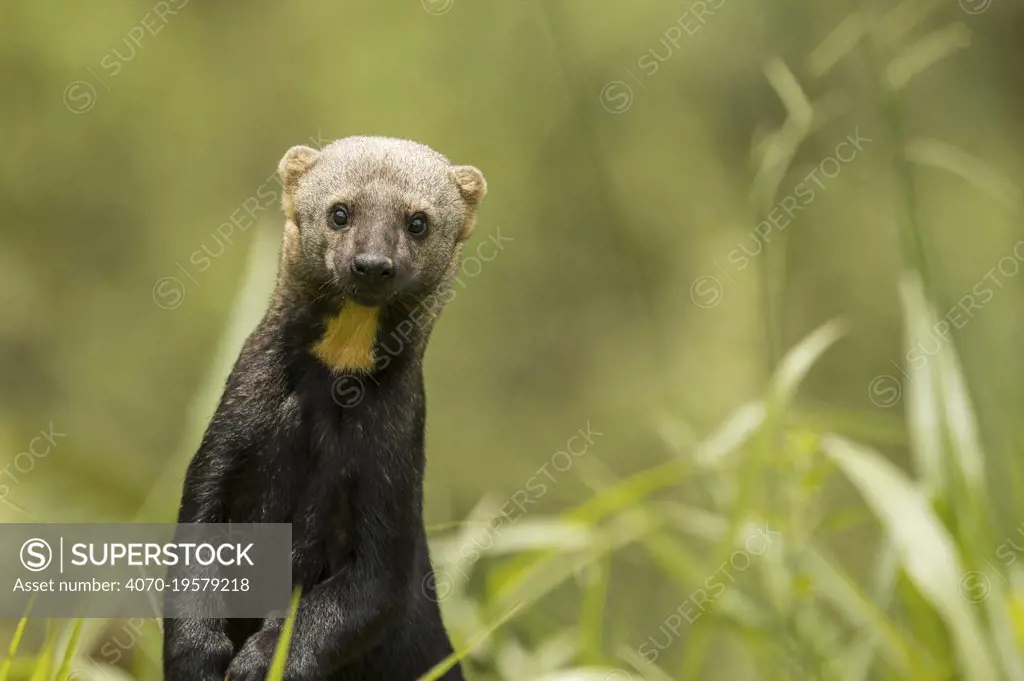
<point x="375" y="219"/>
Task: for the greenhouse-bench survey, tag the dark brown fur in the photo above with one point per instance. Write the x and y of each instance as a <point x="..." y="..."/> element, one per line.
<point x="289" y="441"/>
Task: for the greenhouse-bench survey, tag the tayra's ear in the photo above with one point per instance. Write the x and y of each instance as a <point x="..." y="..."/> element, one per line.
<point x="471" y="183"/>
<point x="472" y="186"/>
<point x="293" y="166"/>
<point x="295" y="163"/>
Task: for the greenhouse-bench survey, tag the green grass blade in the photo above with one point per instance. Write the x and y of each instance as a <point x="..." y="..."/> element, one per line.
<point x="548" y="571"/>
<point x="861" y="656"/>
<point x="963" y="428"/>
<point x="539" y="534"/>
<point x="630" y="491"/>
<point x="680" y="566"/>
<point x="69" y="652"/>
<point x="146" y="660"/>
<point x="790" y="93"/>
<point x="946" y="157"/>
<point x="1001" y="607"/>
<point x="920" y="56"/>
<point x="927" y="552"/>
<point x="12" y="650"/>
<point x="798" y="361"/>
<point x="833" y="585"/>
<point x="627" y="493"/>
<point x="923" y="411"/>
<point x="731" y="436"/>
<point x="284" y="643"/>
<point x="699" y="644"/>
<point x="44" y="660"/>
<point x="442" y="667"/>
<point x="595" y="599"/>
<point x="585" y="674"/>
<point x="648" y="670"/>
<point x="938" y="379"/>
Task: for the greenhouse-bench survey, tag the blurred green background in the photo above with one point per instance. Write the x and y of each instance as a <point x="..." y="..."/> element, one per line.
<point x="638" y="269"/>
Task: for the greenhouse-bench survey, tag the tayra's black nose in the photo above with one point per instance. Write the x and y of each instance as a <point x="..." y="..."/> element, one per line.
<point x="373" y="267"/>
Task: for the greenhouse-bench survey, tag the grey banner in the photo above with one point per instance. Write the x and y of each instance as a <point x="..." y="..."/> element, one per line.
<point x="145" y="570"/>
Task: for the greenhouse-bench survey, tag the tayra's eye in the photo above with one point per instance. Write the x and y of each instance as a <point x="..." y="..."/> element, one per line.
<point x="418" y="224"/>
<point x="339" y="217"/>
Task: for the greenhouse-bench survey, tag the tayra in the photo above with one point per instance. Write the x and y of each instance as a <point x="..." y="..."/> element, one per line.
<point x="321" y="424"/>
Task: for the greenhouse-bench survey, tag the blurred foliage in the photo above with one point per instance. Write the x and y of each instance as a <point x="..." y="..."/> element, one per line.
<point x="636" y="155"/>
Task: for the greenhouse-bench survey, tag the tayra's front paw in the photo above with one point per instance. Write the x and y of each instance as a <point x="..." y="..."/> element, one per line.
<point x="194" y="658"/>
<point x="252" y="663"/>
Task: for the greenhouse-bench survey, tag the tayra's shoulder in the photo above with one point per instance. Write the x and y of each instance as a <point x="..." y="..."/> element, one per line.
<point x="261" y="376"/>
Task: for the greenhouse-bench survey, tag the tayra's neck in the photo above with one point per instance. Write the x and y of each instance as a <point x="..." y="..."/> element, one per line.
<point x="347" y="337"/>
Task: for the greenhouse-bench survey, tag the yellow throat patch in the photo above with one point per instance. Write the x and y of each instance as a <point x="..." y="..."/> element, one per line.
<point x="347" y="344"/>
